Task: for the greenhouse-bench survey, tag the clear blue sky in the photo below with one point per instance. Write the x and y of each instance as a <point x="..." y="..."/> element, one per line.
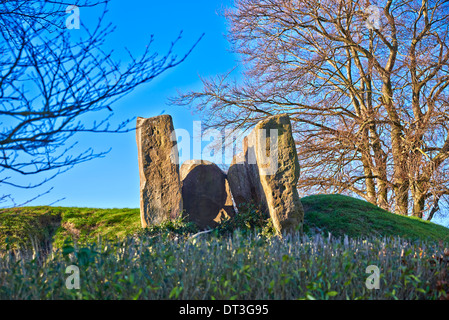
<point x="113" y="181"/>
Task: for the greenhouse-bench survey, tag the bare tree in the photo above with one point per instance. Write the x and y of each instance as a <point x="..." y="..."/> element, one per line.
<point x="49" y="81"/>
<point x="365" y="84"/>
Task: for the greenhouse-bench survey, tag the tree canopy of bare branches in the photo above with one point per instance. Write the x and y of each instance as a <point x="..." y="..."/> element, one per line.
<point x="50" y="78"/>
<point x="365" y="84"/>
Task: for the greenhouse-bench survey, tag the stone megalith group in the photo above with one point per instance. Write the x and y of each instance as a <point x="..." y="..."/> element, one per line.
<point x="264" y="174"/>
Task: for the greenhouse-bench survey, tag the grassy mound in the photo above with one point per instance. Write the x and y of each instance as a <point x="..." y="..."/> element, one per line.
<point x="167" y="261"/>
<point x="30" y="225"/>
<point x="20" y="227"/>
<point x="342" y="215"/>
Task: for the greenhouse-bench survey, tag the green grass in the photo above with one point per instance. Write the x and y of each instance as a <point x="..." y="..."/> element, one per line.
<point x="236" y="266"/>
<point x="88" y="223"/>
<point x="18" y="226"/>
<point x="340" y="215"/>
<point x="241" y="259"/>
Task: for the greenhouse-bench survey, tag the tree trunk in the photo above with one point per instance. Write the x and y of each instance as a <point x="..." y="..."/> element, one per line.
<point x="418" y="205"/>
<point x="400" y="177"/>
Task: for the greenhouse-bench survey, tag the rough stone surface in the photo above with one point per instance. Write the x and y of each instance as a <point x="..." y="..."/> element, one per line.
<point x="188" y="166"/>
<point x="206" y="194"/>
<point x="278" y="174"/>
<point x="244" y="181"/>
<point x="239" y="182"/>
<point x="267" y="171"/>
<point x="160" y="186"/>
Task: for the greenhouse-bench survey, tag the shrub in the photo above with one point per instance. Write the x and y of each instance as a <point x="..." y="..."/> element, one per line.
<point x="238" y="266"/>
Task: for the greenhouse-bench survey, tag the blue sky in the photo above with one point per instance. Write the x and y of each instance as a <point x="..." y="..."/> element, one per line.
<point x="113" y="181"/>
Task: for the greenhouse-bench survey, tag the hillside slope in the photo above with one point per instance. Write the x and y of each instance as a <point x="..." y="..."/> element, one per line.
<point x="44" y="224"/>
<point x="340" y="215"/>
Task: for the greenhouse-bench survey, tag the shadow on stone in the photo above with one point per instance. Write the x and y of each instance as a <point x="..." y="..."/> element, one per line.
<point x="206" y="195"/>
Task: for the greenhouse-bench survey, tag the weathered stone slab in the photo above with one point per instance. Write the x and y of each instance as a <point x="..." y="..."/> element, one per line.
<point x="267" y="172"/>
<point x="160" y="186"/>
<point x="205" y="192"/>
<point x="239" y="182"/>
<point x="278" y="166"/>
<point x="244" y="180"/>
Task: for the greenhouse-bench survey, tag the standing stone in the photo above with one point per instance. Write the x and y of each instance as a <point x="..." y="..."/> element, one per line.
<point x="160" y="186"/>
<point x="244" y="180"/>
<point x="239" y="182"/>
<point x="278" y="166"/>
<point x="267" y="172"/>
<point x="205" y="192"/>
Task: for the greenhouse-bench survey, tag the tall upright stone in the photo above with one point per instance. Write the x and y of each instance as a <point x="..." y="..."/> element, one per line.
<point x="205" y="192"/>
<point x="244" y="180"/>
<point x="277" y="162"/>
<point x="267" y="173"/>
<point x="239" y="182"/>
<point x="160" y="185"/>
